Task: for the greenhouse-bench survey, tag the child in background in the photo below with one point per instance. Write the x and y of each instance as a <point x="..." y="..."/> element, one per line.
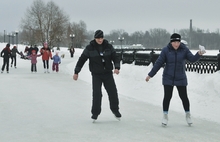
<point x="33" y="58"/>
<point x="56" y="61"/>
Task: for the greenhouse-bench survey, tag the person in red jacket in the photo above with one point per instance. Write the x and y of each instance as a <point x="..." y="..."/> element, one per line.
<point x="46" y="55"/>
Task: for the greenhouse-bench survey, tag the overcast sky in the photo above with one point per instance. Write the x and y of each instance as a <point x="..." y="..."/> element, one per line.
<point x="137" y="15"/>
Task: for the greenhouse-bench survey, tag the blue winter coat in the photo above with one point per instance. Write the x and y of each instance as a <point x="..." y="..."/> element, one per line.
<point x="174" y="71"/>
<point x="56" y="59"/>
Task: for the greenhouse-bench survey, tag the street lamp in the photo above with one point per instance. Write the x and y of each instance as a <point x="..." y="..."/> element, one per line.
<point x="4" y="36"/>
<point x="12" y="38"/>
<point x="111" y="42"/>
<point x="9" y="36"/>
<point x="16" y="33"/>
<point x="58" y="43"/>
<point x="72" y="37"/>
<point x="121" y="39"/>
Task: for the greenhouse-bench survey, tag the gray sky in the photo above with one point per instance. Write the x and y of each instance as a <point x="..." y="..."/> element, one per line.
<point x="137" y="15"/>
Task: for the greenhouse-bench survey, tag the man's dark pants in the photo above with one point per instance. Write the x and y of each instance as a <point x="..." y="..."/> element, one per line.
<point x="108" y="81"/>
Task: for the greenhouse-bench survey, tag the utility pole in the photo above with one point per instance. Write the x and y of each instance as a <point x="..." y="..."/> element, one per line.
<point x="190" y="34"/>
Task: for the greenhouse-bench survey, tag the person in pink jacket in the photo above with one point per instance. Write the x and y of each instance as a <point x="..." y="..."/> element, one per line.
<point x="33" y="58"/>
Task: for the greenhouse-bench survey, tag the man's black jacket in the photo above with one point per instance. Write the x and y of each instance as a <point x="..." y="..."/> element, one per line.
<point x="96" y="64"/>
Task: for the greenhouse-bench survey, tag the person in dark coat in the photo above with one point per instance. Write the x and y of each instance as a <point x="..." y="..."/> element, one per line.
<point x="218" y="60"/>
<point x="6" y="54"/>
<point x="174" y="56"/>
<point x="30" y="50"/>
<point x="14" y="51"/>
<point x="101" y="57"/>
<point x="72" y="51"/>
<point x="26" y="50"/>
<point x="152" y="57"/>
<point x="36" y="49"/>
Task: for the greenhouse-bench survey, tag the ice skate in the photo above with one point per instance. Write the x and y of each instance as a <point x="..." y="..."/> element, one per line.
<point x="117" y="115"/>
<point x="94" y="118"/>
<point x="165" y="120"/>
<point x="188" y="118"/>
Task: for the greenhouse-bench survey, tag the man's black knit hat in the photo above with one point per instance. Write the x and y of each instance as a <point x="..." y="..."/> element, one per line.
<point x="8" y="45"/>
<point x="175" y="37"/>
<point x="99" y="34"/>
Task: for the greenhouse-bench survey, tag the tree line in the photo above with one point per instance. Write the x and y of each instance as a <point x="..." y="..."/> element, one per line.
<point x="47" y="22"/>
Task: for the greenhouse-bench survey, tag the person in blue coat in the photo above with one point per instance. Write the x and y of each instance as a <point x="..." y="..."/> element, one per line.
<point x="173" y="56"/>
<point x="56" y="61"/>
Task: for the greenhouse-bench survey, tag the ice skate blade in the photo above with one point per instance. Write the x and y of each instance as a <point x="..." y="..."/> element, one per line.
<point x="94" y="120"/>
<point x="189" y="124"/>
<point x="164" y="125"/>
<point x="118" y="118"/>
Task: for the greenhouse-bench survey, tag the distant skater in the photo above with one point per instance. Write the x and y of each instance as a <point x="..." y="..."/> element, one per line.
<point x="72" y="51"/>
<point x="33" y="58"/>
<point x="46" y="55"/>
<point x="6" y="54"/>
<point x="14" y="51"/>
<point x="56" y="62"/>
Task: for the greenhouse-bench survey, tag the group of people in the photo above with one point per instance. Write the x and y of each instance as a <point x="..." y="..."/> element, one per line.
<point x="103" y="60"/>
<point x="32" y="54"/>
<point x="28" y="51"/>
<point x="8" y="53"/>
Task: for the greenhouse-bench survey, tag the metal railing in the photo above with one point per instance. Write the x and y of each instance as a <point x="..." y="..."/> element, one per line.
<point x="206" y="64"/>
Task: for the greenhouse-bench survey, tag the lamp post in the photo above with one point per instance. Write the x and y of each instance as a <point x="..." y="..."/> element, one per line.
<point x="121" y="39"/>
<point x="58" y="43"/>
<point x="111" y="42"/>
<point x="4" y="36"/>
<point x="16" y="33"/>
<point x="12" y="38"/>
<point x="72" y="37"/>
<point x="9" y="36"/>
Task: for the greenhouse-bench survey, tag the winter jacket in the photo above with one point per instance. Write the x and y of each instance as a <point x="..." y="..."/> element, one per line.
<point x="31" y="49"/>
<point x="6" y="53"/>
<point x="14" y="50"/>
<point x="72" y="50"/>
<point x="56" y="59"/>
<point x="98" y="63"/>
<point x="46" y="53"/>
<point x="33" y="58"/>
<point x="174" y="71"/>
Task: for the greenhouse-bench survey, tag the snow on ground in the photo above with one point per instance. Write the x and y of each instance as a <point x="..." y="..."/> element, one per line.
<point x="39" y="107"/>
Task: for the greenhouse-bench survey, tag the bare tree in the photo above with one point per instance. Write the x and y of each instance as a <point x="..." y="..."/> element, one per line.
<point x="79" y="30"/>
<point x="160" y="37"/>
<point x="44" y="22"/>
<point x="138" y="37"/>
